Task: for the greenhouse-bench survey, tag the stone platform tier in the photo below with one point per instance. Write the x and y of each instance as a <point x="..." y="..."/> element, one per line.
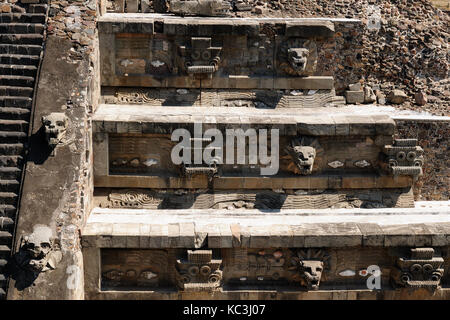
<point x="132" y="149"/>
<point x="165" y="51"/>
<point x="286" y="254"/>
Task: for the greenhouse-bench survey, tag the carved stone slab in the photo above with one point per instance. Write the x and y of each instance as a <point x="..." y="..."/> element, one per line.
<point x="214" y="53"/>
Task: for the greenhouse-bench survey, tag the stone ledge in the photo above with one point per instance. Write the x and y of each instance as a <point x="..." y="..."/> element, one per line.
<point x="142" y="228"/>
<point x="332" y="121"/>
<point x="175" y="25"/>
<point x="368" y="181"/>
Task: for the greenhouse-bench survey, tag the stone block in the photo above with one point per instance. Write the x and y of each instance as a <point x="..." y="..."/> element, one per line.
<point x="372" y="234"/>
<point x="259" y="237"/>
<point x="398" y="235"/>
<point x="187" y="235"/>
<point x="132" y="6"/>
<point x="214" y="236"/>
<point x="354" y="97"/>
<point x="226" y="237"/>
<point x="397" y="96"/>
<point x="310" y="29"/>
<point x="355" y="87"/>
<point x="159" y="236"/>
<point x="144" y="236"/>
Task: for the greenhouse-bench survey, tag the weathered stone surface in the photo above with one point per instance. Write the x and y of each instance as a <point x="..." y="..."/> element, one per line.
<point x="421" y="98"/>
<point x="353" y="97"/>
<point x="397" y="96"/>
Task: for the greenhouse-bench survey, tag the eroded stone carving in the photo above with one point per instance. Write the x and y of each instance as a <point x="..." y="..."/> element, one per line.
<point x="190" y="170"/>
<point x="39" y="250"/>
<point x="241" y="5"/>
<point x="298" y="57"/>
<point x="302" y="155"/>
<point x="200" y="58"/>
<point x="421" y="270"/>
<point x="134" y="268"/>
<point x="55" y="125"/>
<point x="132" y="199"/>
<point x="306" y="267"/>
<point x="405" y="157"/>
<point x="199" y="272"/>
<point x="266" y="265"/>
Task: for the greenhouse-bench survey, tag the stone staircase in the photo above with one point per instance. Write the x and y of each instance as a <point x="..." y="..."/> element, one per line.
<point x="21" y="44"/>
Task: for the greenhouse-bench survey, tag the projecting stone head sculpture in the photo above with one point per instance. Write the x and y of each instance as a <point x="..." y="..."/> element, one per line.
<point x="41" y="251"/>
<point x="298" y="59"/>
<point x="302" y="156"/>
<point x="55" y="125"/>
<point x="307" y="267"/>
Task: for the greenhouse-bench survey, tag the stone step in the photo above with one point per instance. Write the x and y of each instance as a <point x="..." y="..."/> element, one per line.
<point x="36" y="39"/>
<point x="3" y="263"/>
<point x="8" y="198"/>
<point x="4" y="250"/>
<point x="2" y="280"/>
<point x="2" y="293"/>
<point x="10" y="173"/>
<point x="11" y="161"/>
<point x="15" y="102"/>
<point x="19" y="59"/>
<point x="17" y="70"/>
<point x="9" y="185"/>
<point x="12" y="137"/>
<point x="5" y="236"/>
<point x="11" y="149"/>
<point x="19" y="81"/>
<point x="37" y="8"/>
<point x="22" y="17"/>
<point x="23" y="49"/>
<point x="7" y="210"/>
<point x="16" y="91"/>
<point x="14" y="113"/>
<point x="18" y="28"/>
<point x="5" y="223"/>
<point x="13" y="125"/>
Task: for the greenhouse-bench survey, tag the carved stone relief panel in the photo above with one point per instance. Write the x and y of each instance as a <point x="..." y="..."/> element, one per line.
<point x="218" y="54"/>
<point x="277" y="267"/>
<point x="297" y="57"/>
<point x="404" y="157"/>
<point x="199" y="271"/>
<point x="150" y="154"/>
<point x="248" y="199"/>
<point x="200" y="58"/>
<point x="143" y="154"/>
<point x="135" y="268"/>
<point x="306" y="267"/>
<point x="421" y="269"/>
<point x="260" y="99"/>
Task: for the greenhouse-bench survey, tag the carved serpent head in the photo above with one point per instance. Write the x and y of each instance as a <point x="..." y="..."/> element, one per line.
<point x="298" y="58"/>
<point x="303" y="157"/>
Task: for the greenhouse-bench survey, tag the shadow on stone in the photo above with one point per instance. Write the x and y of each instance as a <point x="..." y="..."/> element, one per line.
<point x="38" y="149"/>
<point x="16" y="268"/>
